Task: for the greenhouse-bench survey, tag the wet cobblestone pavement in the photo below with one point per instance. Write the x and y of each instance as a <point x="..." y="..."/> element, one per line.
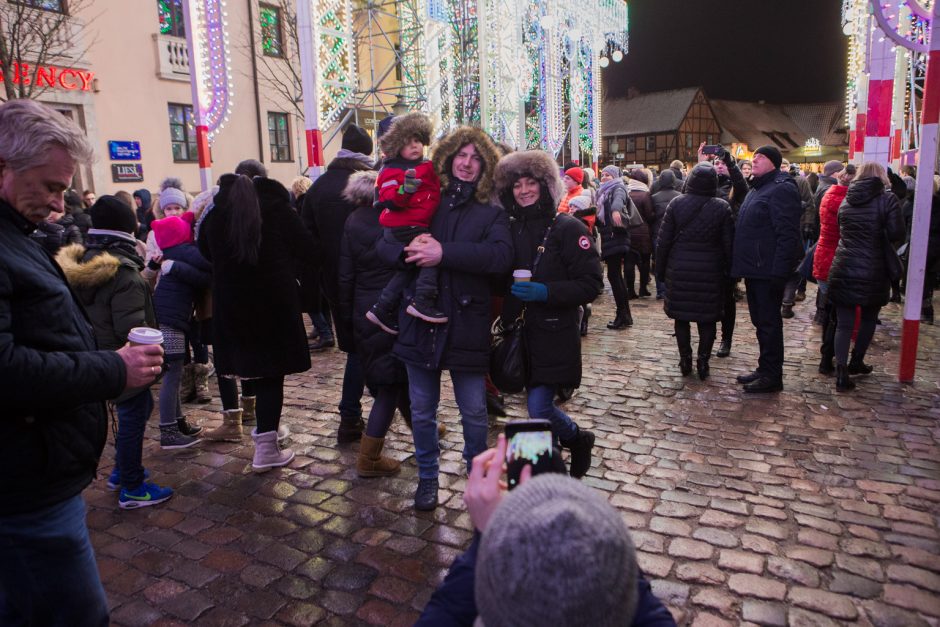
<point x="806" y="507"/>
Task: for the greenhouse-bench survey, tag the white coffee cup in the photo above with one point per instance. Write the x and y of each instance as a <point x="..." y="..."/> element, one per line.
<point x="145" y="336"/>
<point x="522" y="275"/>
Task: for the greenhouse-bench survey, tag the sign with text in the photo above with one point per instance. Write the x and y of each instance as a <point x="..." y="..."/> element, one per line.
<point x="127" y="172"/>
<point x="124" y="151"/>
<point x="51" y="76"/>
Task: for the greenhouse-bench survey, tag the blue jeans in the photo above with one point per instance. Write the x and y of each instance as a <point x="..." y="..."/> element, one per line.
<point x="322" y="324"/>
<point x="541" y="401"/>
<point x="424" y="387"/>
<point x="353" y="386"/>
<point x="129" y="439"/>
<point x="49" y="575"/>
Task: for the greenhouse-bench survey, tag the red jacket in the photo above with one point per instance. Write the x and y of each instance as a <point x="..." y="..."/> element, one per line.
<point x="828" y="231"/>
<point x="399" y="208"/>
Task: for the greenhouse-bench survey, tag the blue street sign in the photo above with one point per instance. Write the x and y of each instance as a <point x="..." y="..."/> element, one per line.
<point x="124" y="151"/>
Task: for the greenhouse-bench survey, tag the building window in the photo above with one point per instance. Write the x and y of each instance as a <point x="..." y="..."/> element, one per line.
<point x="279" y="136"/>
<point x="57" y="6"/>
<point x="272" y="41"/>
<point x="650" y="143"/>
<point x="171" y="17"/>
<point x="182" y="132"/>
<point x="631" y="144"/>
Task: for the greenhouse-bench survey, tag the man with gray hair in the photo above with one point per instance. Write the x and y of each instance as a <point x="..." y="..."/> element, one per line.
<point x="50" y="444"/>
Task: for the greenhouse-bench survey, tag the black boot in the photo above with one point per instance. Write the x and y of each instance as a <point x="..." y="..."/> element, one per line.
<point x="685" y="364"/>
<point x="426" y="495"/>
<point x="684" y="341"/>
<point x="725" y="349"/>
<point x="186" y="428"/>
<point x="350" y="430"/>
<point x="786" y="311"/>
<point x="858" y="366"/>
<point x="843" y="382"/>
<point x="494" y="405"/>
<point x="827" y="349"/>
<point x="701" y="367"/>
<point x="580" y="446"/>
<point x="706" y="340"/>
<point x="584" y="319"/>
<point x="926" y="314"/>
<point x="618" y="322"/>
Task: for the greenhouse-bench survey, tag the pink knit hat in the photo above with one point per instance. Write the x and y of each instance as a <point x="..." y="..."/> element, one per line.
<point x="173" y="230"/>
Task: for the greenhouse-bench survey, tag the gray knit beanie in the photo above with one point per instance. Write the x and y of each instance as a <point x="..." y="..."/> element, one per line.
<point x="613" y="171"/>
<point x="556" y="553"/>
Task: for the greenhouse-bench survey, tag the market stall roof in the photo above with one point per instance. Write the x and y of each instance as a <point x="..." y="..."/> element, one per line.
<point x="804" y="154"/>
<point x="786" y="126"/>
<point x="657" y="112"/>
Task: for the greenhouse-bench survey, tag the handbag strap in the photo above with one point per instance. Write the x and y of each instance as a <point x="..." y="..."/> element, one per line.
<point x="535" y="262"/>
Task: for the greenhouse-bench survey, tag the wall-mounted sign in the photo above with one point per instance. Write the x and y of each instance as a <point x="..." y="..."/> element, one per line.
<point x="124" y="151"/>
<point x="52" y="76"/>
<point x="127" y="172"/>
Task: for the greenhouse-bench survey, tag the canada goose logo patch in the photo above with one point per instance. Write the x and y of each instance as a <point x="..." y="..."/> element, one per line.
<point x="584" y="242"/>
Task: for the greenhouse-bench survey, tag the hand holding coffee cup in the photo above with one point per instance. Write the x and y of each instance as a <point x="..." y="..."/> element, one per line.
<point x="521" y="276"/>
<point x="142" y="356"/>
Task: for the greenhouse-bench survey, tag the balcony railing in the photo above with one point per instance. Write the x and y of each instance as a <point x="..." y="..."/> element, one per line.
<point x="172" y="57"/>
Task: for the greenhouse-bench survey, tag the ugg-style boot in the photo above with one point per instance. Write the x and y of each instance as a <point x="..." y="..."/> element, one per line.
<point x="231" y="428"/>
<point x="201" y="383"/>
<point x="248" y="410"/>
<point x="370" y="462"/>
<point x="580" y="446"/>
<point x="188" y="384"/>
<point x="268" y="453"/>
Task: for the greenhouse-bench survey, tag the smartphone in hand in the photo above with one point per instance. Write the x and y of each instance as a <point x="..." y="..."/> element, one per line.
<point x="528" y="442"/>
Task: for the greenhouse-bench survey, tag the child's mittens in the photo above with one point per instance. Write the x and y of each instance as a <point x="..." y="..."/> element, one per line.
<point x="411" y="184"/>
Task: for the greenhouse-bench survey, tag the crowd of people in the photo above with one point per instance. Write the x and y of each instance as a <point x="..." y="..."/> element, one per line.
<point x="411" y="259"/>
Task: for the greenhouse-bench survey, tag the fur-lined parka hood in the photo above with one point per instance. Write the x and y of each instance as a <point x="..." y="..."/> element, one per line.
<point x="536" y="164"/>
<point x="405" y="128"/>
<point x="360" y="190"/>
<point x="85" y="274"/>
<point x="443" y="152"/>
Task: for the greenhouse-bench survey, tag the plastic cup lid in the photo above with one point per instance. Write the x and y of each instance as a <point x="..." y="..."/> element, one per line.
<point x="145" y="335"/>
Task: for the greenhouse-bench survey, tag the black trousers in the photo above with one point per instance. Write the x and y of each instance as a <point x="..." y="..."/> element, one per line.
<point x="729" y="310"/>
<point x="764" y="298"/>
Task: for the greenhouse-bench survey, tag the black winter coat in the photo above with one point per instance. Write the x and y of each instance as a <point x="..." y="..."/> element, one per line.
<point x="182" y="286"/>
<point x="640" y="235"/>
<point x="857" y="275"/>
<point x="53" y="380"/>
<point x="733" y="189"/>
<point x="362" y="277"/>
<point x="661" y="200"/>
<point x="693" y="257"/>
<point x="571" y="269"/>
<point x="476" y="249"/>
<point x="613" y="241"/>
<point x="256" y="315"/>
<point x="324" y="214"/>
<point x="767" y="235"/>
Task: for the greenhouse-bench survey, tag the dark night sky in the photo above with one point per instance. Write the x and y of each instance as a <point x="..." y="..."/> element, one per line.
<point x="781" y="52"/>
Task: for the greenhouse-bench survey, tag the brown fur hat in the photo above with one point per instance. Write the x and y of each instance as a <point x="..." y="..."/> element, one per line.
<point x="536" y="164"/>
<point x="443" y="152"/>
<point x="360" y="189"/>
<point x="406" y="127"/>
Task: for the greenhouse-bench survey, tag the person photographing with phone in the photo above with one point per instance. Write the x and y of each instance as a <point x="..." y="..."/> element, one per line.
<point x="565" y="271"/>
<point x="507" y="577"/>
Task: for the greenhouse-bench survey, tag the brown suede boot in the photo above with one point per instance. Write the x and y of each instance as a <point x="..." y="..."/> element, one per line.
<point x="201" y="391"/>
<point x="248" y="410"/>
<point x="231" y="428"/>
<point x="370" y="462"/>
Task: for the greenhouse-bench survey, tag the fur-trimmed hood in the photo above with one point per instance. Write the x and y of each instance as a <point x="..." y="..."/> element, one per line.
<point x="405" y="128"/>
<point x="92" y="273"/>
<point x="442" y="156"/>
<point x="536" y="164"/>
<point x="360" y="190"/>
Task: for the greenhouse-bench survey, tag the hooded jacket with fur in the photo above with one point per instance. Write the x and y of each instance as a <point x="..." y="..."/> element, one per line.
<point x="398" y="207"/>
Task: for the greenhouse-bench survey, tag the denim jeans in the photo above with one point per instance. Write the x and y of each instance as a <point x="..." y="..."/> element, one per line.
<point x="129" y="439"/>
<point x="350" y="405"/>
<point x="424" y="387"/>
<point x="49" y="575"/>
<point x="541" y="402"/>
<point x="322" y="322"/>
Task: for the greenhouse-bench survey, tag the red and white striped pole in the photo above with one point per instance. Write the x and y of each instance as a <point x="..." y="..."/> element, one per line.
<point x="309" y="57"/>
<point x="197" y="86"/>
<point x="881" y="66"/>
<point x="923" y="196"/>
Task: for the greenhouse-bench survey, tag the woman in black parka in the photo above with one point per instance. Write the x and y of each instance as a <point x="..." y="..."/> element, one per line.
<point x="615" y="240"/>
<point x="362" y="277"/>
<point x="858" y="277"/>
<point x="693" y="257"/>
<point x="567" y="276"/>
<point x="256" y="242"/>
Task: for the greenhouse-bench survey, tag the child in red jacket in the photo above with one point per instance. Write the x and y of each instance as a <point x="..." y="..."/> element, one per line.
<point x="408" y="194"/>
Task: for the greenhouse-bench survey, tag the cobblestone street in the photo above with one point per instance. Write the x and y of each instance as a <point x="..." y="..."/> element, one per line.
<point x="806" y="507"/>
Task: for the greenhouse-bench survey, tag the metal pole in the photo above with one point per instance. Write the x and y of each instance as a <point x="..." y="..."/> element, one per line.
<point x="923" y="197"/>
<point x="197" y="85"/>
<point x="308" y="74"/>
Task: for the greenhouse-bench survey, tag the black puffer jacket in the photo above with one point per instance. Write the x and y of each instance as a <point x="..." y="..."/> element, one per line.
<point x="571" y="269"/>
<point x="256" y="317"/>
<point x="661" y="199"/>
<point x="767" y="233"/>
<point x="857" y="275"/>
<point x="182" y="286"/>
<point x="613" y="241"/>
<point x="362" y="277"/>
<point x="693" y="254"/>
<point x="53" y="380"/>
<point x="476" y="248"/>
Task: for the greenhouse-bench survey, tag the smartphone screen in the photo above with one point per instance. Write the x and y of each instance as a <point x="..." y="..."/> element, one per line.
<point x="528" y="442"/>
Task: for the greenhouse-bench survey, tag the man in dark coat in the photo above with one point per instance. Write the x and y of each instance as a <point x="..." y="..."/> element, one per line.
<point x="470" y="244"/>
<point x="766" y="242"/>
<point x="50" y="444"/>
<point x="667" y="191"/>
<point x="324" y="214"/>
